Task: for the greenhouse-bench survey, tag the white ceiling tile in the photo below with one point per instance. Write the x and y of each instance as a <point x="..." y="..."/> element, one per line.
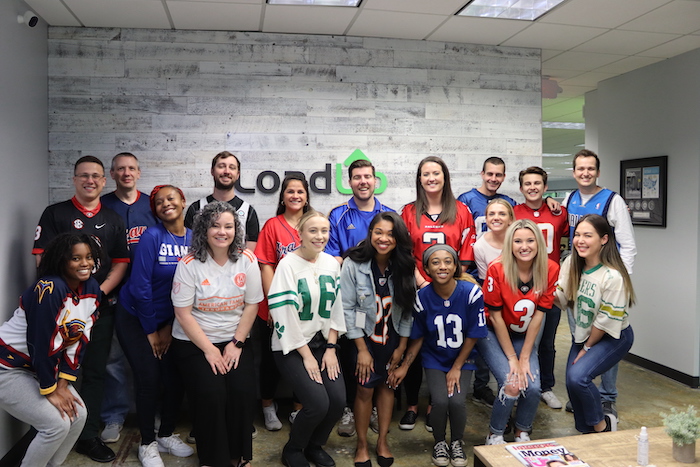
<point x="376" y="23"/>
<point x="120" y="13"/>
<point x="307" y="20"/>
<point x="674" y="47"/>
<point x="628" y="64"/>
<point x="549" y="53"/>
<point x="680" y="16"/>
<point x="53" y="12"/>
<point x="580" y="61"/>
<point x="477" y="31"/>
<point x="625" y="42"/>
<point x="600" y="13"/>
<point x="249" y="2"/>
<point x="215" y="16"/>
<point x="442" y="7"/>
<point x="553" y="36"/>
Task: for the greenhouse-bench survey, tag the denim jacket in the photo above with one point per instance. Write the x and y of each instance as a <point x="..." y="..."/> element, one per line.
<point x="357" y="286"/>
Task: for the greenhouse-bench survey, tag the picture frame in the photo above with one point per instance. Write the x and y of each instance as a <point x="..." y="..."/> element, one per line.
<point x="643" y="185"/>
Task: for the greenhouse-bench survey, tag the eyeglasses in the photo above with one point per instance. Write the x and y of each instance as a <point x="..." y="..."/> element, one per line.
<point x="86" y="177"/>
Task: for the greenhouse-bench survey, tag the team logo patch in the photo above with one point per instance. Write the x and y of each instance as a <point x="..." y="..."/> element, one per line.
<point x="78" y="224"/>
<point x="382" y="281"/>
<point x="239" y="279"/>
<point x="71" y="331"/>
<point x="42" y="287"/>
<point x="205" y="282"/>
<point x="176" y="287"/>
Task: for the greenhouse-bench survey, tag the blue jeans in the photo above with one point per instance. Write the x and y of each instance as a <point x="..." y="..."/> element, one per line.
<point x="491" y="350"/>
<point x="584" y="395"/>
<point x="546" y="350"/>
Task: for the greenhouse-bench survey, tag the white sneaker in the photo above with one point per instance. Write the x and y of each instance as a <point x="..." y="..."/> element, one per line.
<point x="494" y="439"/>
<point x="111" y="432"/>
<point x="374" y="420"/>
<point x="346" y="427"/>
<point x="293" y="416"/>
<point x="149" y="456"/>
<point x="549" y="398"/>
<point x="523" y="438"/>
<point x="272" y="423"/>
<point x="174" y="445"/>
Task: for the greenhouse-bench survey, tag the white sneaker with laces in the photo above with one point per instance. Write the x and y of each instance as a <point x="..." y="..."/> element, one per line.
<point x="494" y="439"/>
<point x="346" y="427"/>
<point x="549" y="398"/>
<point x="174" y="445"/>
<point x="272" y="423"/>
<point x="523" y="438"/>
<point x="441" y="454"/>
<point x="374" y="420"/>
<point x="149" y="456"/>
<point x="293" y="416"/>
<point x="111" y="432"/>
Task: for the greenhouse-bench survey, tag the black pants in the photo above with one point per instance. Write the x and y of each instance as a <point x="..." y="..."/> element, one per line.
<point x="154" y="380"/>
<point x="224" y="404"/>
<point x="323" y="403"/>
<point x="269" y="375"/>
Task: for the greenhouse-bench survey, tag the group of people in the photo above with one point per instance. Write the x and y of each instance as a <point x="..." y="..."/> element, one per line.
<point x="347" y="308"/>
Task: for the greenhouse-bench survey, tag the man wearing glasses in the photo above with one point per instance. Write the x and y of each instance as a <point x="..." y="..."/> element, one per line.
<point x="84" y="214"/>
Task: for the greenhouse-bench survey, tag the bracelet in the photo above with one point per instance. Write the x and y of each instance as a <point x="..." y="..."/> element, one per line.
<point x="332" y="346"/>
<point x="586" y="348"/>
<point x="511" y="355"/>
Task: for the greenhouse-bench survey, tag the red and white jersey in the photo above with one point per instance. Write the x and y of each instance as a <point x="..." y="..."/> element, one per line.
<point x="517" y="308"/>
<point x="553" y="227"/>
<point x="461" y="235"/>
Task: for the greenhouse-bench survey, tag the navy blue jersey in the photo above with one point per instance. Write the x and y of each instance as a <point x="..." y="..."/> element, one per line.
<point x="444" y="325"/>
<point x="477" y="202"/>
<point x="137" y="216"/>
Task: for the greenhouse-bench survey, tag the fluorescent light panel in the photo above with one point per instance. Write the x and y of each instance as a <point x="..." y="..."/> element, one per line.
<point x="352" y="3"/>
<point x="528" y="10"/>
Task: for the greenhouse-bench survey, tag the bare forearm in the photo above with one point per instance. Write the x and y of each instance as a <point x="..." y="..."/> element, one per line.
<point x="114" y="277"/>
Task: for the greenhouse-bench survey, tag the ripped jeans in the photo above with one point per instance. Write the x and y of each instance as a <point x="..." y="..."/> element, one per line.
<point x="529" y="399"/>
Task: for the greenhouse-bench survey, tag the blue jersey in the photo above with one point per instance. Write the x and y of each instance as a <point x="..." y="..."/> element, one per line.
<point x="137" y="216"/>
<point x="349" y="225"/>
<point x="444" y="325"/>
<point x="598" y="204"/>
<point x="146" y="294"/>
<point x="477" y="202"/>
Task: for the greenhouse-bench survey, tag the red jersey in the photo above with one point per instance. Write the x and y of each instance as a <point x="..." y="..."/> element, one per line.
<point x="553" y="227"/>
<point x="276" y="239"/>
<point x="517" y="308"/>
<point x="461" y="235"/>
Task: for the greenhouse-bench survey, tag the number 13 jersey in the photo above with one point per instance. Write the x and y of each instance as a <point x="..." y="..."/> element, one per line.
<point x="517" y="308"/>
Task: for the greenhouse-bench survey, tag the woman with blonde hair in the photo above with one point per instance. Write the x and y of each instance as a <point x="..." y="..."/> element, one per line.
<point x="596" y="288"/>
<point x="499" y="215"/>
<point x="518" y="290"/>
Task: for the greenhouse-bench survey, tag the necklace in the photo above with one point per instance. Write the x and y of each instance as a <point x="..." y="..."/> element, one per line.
<point x="179" y="249"/>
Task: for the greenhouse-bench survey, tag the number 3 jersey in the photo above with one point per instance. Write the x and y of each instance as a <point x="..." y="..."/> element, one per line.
<point x="445" y="325"/>
<point x="304" y="298"/>
<point x="517" y="308"/>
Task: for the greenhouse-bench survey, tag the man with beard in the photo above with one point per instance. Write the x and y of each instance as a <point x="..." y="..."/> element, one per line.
<point x="225" y="168"/>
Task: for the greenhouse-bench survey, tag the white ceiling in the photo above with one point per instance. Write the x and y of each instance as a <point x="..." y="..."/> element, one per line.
<point x="582" y="41"/>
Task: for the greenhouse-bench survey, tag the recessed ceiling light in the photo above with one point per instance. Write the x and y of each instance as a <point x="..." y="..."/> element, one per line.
<point x="528" y="10"/>
<point x="352" y="3"/>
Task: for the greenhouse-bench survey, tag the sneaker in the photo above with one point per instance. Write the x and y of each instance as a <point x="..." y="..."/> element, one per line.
<point x="408" y="421"/>
<point x="428" y="426"/>
<point x="272" y="423"/>
<point x="191" y="438"/>
<point x="457" y="456"/>
<point x="254" y="434"/>
<point x="346" y="427"/>
<point x="293" y="416"/>
<point x="484" y="396"/>
<point x="374" y="420"/>
<point x="174" y="445"/>
<point x="610" y="407"/>
<point x="569" y="408"/>
<point x="111" y="432"/>
<point x="149" y="456"/>
<point x="523" y="438"/>
<point x="610" y="422"/>
<point x="494" y="439"/>
<point x="441" y="454"/>
<point x="549" y="398"/>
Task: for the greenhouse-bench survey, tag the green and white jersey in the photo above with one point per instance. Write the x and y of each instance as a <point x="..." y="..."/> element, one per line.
<point x="304" y="298"/>
<point x="601" y="299"/>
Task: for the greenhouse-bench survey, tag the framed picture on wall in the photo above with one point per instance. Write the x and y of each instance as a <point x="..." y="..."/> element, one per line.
<point x="643" y="186"/>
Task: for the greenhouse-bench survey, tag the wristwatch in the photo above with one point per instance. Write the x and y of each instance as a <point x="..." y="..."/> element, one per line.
<point x="586" y="348"/>
<point x="237" y="343"/>
<point x="332" y="346"/>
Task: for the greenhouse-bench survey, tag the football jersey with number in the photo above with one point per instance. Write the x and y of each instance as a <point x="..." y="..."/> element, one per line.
<point x="445" y="325"/>
<point x="517" y="308"/>
<point x="553" y="227"/>
<point x="304" y="298"/>
<point x="459" y="235"/>
<point x="476" y="201"/>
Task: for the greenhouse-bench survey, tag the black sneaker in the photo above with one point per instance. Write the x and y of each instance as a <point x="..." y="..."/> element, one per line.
<point x="441" y="454"/>
<point x="95" y="449"/>
<point x="428" y="426"/>
<point x="569" y="408"/>
<point x="609" y="407"/>
<point x="408" y="421"/>
<point x="484" y="396"/>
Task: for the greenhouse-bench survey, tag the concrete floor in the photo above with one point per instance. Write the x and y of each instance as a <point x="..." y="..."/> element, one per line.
<point x="643" y="394"/>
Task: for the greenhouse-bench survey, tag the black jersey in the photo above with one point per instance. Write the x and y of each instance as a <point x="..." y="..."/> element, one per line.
<point x="246" y="214"/>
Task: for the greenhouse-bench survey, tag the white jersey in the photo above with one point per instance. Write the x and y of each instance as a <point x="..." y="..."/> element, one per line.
<point x="304" y="298"/>
<point x="216" y="293"/>
<point x="601" y="300"/>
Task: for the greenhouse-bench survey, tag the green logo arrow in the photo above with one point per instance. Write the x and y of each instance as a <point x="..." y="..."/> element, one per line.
<point x="339" y="173"/>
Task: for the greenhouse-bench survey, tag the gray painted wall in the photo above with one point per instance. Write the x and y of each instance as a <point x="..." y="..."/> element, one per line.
<point x="24" y="169"/>
<point x="288" y="102"/>
<point x="655" y="111"/>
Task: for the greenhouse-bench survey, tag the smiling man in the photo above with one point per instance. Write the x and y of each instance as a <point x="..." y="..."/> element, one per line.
<point x="225" y="169"/>
<point x="85" y="214"/>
